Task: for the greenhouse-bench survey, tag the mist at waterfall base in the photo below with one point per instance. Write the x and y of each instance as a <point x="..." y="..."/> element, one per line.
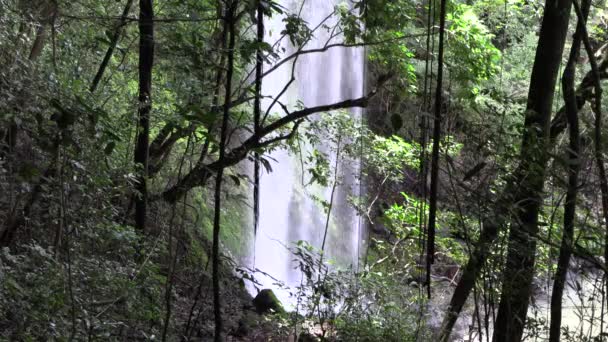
<point x="288" y="212"/>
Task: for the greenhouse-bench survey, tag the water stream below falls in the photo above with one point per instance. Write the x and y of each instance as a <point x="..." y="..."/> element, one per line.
<point x="288" y="212"/>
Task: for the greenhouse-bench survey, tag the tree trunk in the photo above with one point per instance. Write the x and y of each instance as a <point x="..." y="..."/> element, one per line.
<point x="146" y="60"/>
<point x="573" y="171"/>
<point x="430" y="255"/>
<point x="521" y="254"/>
<point x="229" y="22"/>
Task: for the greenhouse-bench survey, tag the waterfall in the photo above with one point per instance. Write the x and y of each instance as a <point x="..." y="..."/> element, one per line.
<point x="287" y="211"/>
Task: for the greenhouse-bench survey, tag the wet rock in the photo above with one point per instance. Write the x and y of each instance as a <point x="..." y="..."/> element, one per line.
<point x="267" y="302"/>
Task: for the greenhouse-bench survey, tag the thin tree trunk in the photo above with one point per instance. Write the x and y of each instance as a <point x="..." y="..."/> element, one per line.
<point x="430" y="254"/>
<point x="221" y="46"/>
<point x="146" y="60"/>
<point x="521" y="252"/>
<point x="257" y="109"/>
<point x="173" y="253"/>
<point x="573" y="171"/>
<point x="113" y="42"/>
<point x="331" y="201"/>
<point x="59" y="229"/>
<point x="598" y="140"/>
<point x="229" y="22"/>
<point x="46" y="17"/>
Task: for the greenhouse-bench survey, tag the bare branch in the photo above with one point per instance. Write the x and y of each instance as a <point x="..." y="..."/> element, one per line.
<point x="330" y="46"/>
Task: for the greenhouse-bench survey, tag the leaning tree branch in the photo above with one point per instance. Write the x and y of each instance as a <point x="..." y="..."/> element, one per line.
<point x="169" y="134"/>
<point x="584" y="93"/>
<point x="202" y="172"/>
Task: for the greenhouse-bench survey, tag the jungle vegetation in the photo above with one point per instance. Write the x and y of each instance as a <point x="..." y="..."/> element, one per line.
<point x="133" y="135"/>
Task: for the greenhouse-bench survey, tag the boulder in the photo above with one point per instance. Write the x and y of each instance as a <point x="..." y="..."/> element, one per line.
<point x="267" y="302"/>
